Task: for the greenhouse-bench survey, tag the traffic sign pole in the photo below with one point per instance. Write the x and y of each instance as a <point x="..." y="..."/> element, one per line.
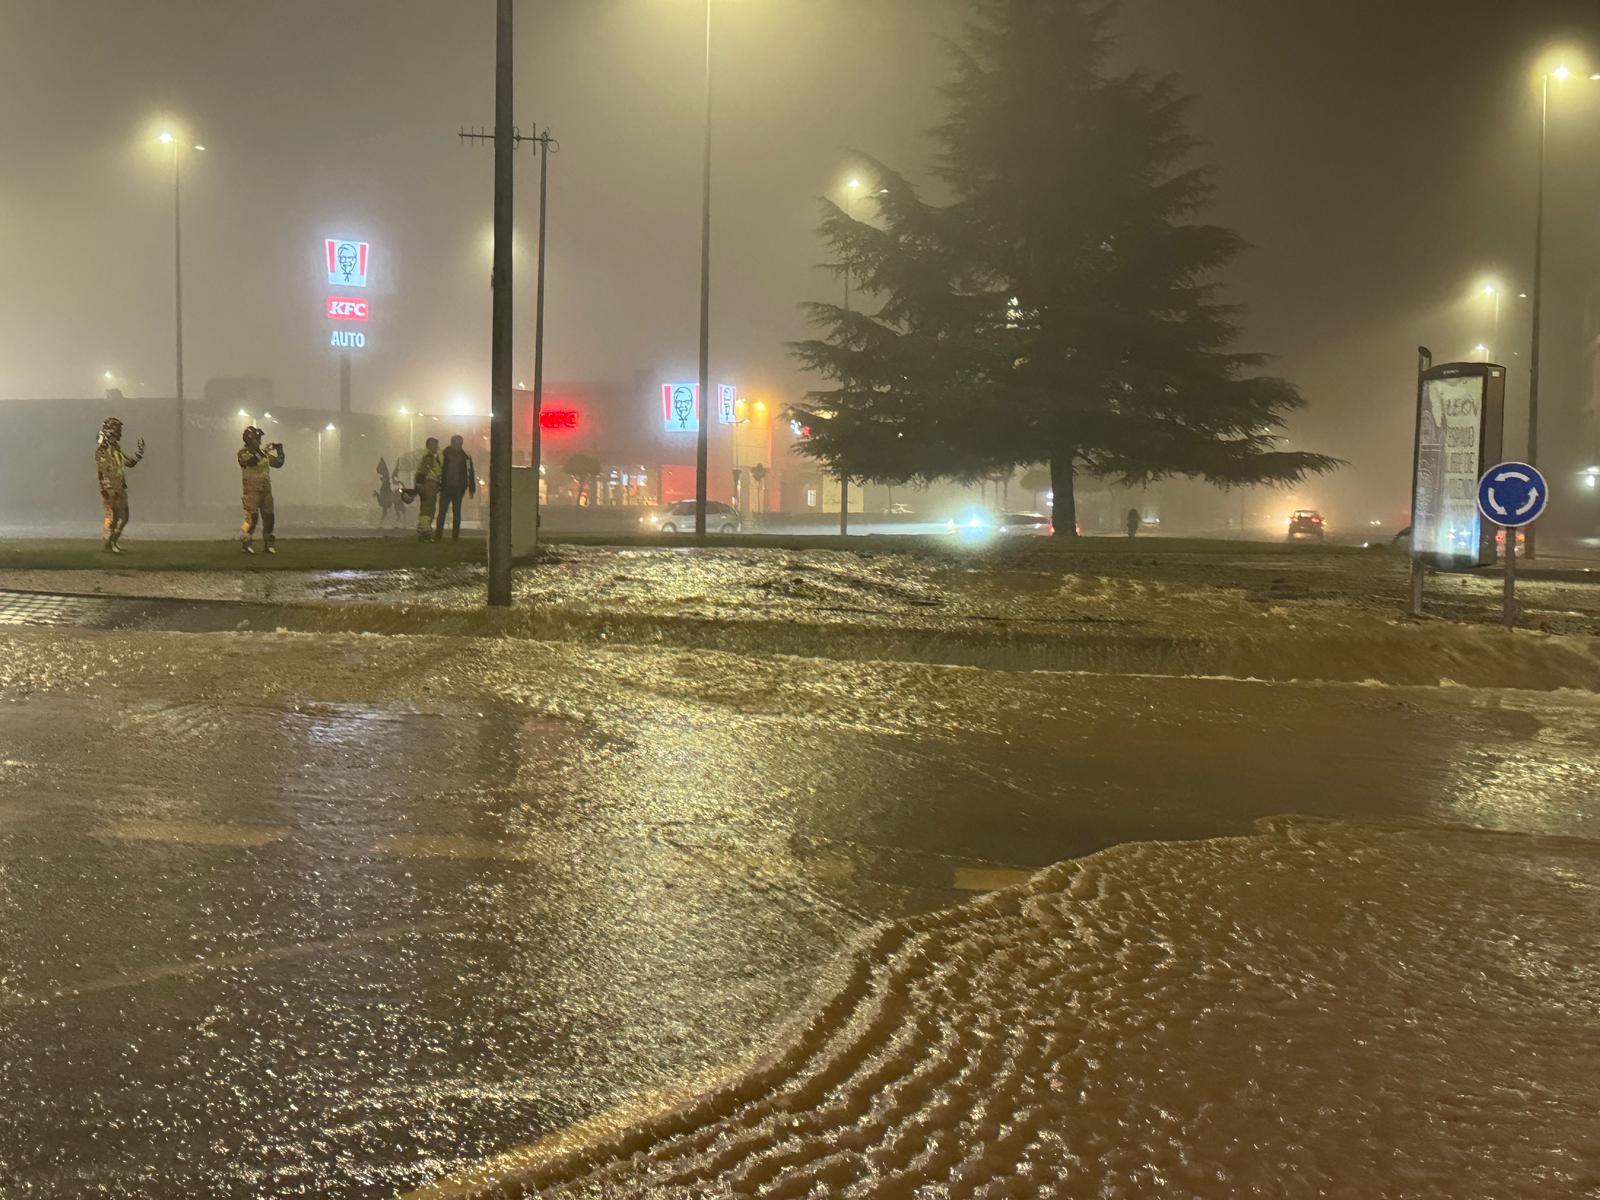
<point x="1512" y="496"/>
<point x="1510" y="617"/>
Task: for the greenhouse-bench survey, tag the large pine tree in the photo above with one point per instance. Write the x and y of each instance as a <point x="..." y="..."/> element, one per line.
<point x="1062" y="307"/>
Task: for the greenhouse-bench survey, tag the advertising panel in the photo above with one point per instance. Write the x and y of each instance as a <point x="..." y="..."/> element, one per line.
<point x="1459" y="419"/>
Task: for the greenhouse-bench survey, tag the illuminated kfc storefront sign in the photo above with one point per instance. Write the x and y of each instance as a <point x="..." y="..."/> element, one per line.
<point x="558" y="418"/>
<point x="347" y="262"/>
<point x="680" y="407"/>
<point x="347" y="308"/>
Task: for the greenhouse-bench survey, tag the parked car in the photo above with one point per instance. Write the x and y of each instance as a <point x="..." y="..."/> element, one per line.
<point x="679" y="518"/>
<point x="1026" y="525"/>
<point x="1306" y="523"/>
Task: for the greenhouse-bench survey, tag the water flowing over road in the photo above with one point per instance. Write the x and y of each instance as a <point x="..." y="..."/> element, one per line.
<point x="290" y="915"/>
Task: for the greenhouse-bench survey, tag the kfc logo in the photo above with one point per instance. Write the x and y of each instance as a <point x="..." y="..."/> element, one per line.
<point x="347" y="262"/>
<point x="346" y="308"/>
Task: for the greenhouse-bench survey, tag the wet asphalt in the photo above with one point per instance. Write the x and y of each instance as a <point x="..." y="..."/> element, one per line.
<point x="295" y="916"/>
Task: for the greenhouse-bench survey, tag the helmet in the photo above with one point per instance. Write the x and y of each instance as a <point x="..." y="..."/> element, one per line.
<point x="252" y="434"/>
<point x="110" y="430"/>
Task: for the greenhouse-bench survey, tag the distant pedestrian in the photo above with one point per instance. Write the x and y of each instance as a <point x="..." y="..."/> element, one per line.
<point x="1134" y="521"/>
<point x="456" y="479"/>
<point x="111" y="468"/>
<point x="257" y="462"/>
<point x="429" y="469"/>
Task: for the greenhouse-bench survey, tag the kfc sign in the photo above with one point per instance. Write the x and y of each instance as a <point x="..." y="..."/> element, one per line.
<point x="680" y="407"/>
<point x="346" y="308"/>
<point x="347" y="263"/>
<point x="558" y="418"/>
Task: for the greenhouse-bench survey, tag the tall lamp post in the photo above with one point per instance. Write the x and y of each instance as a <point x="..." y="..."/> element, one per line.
<point x="166" y="138"/>
<point x="1493" y="292"/>
<point x="1561" y="73"/>
<point x="850" y="190"/>
<point x="702" y="448"/>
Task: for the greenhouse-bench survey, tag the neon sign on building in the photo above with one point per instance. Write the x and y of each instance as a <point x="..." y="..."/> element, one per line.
<point x="680" y="407"/>
<point x="558" y="418"/>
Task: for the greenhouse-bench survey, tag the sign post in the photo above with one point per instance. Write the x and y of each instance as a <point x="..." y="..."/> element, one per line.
<point x="1512" y="495"/>
<point x="1459" y="423"/>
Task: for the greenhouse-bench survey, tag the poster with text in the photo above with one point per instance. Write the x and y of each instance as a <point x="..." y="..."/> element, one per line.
<point x="1444" y="514"/>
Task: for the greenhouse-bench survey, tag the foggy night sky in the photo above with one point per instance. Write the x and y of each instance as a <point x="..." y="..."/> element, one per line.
<point x="1379" y="157"/>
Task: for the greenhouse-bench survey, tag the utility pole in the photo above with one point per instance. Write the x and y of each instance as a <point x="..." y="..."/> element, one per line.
<point x="703" y="437"/>
<point x="500" y="425"/>
<point x="546" y="144"/>
<point x="500" y="339"/>
<point x="177" y="290"/>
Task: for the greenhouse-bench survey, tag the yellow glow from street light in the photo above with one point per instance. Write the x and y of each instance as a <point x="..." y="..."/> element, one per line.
<point x="1561" y="72"/>
<point x="404" y="411"/>
<point x="855" y="183"/>
<point x="164" y="137"/>
<point x="330" y="427"/>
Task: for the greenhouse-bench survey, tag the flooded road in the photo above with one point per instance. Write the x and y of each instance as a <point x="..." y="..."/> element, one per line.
<point x="332" y="916"/>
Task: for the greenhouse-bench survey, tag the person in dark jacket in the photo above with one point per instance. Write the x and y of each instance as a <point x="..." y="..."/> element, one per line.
<point x="457" y="478"/>
<point x="1134" y="521"/>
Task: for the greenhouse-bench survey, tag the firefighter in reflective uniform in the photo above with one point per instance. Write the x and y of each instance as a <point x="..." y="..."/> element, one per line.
<point x="430" y="471"/>
<point x="257" y="462"/>
<point x="111" y="468"/>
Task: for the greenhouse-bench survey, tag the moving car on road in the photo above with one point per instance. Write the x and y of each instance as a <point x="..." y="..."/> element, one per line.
<point x="679" y="518"/>
<point x="1026" y="525"/>
<point x="1306" y="523"/>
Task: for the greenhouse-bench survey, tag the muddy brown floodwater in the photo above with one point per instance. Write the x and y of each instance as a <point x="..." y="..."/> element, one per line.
<point x="284" y="915"/>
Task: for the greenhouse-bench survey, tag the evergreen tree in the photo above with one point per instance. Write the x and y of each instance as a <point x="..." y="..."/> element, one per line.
<point x="1062" y="308"/>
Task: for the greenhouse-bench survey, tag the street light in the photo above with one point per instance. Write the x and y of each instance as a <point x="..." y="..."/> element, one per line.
<point x="166" y="138"/>
<point x="1561" y="72"/>
<point x="850" y="190"/>
<point x="702" y="448"/>
<point x="1493" y="292"/>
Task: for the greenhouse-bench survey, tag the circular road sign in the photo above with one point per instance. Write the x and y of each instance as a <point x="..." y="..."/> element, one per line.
<point x="1512" y="495"/>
